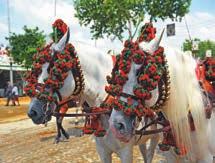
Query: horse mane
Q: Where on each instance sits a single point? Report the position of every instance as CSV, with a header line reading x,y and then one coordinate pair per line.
x,y
185,96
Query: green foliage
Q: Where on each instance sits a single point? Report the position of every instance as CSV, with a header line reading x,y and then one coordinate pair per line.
x,y
24,46
113,17
203,46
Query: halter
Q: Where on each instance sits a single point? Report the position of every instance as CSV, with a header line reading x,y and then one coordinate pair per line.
x,y
59,66
153,72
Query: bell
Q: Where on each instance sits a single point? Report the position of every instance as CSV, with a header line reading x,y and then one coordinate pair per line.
x,y
79,66
168,87
168,81
78,83
163,92
168,77
167,97
163,97
167,72
77,78
163,87
161,102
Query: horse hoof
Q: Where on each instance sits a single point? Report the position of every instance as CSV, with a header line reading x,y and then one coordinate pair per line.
x,y
57,140
66,136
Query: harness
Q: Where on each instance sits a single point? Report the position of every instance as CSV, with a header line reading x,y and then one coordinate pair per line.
x,y
205,75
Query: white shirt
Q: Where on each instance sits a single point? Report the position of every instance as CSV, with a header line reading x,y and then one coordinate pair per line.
x,y
15,91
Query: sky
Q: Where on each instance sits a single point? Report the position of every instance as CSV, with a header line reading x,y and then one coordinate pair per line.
x,y
200,20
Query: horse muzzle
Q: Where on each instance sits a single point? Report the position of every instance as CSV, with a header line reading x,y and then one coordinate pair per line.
x,y
36,112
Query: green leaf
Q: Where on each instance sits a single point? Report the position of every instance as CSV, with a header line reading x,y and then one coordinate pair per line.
x,y
111,17
203,46
24,46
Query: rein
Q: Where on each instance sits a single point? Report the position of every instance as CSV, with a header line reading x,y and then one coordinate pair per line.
x,y
80,114
156,121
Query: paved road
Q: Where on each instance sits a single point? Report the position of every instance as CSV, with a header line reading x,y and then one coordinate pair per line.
x,y
23,142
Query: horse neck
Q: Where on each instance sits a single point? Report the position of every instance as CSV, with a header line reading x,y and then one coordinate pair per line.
x,y
96,66
105,121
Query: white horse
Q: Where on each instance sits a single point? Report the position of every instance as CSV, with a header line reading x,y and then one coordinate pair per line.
x,y
185,95
96,66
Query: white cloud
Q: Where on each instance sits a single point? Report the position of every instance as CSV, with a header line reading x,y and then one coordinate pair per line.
x,y
4,32
3,27
41,13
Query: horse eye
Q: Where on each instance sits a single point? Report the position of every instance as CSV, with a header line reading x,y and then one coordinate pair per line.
x,y
48,69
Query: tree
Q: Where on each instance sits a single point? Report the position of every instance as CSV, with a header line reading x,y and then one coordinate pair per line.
x,y
202,45
24,46
113,17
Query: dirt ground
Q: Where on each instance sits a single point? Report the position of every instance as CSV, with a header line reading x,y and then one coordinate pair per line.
x,y
23,142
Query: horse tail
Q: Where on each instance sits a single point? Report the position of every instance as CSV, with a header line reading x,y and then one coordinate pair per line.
x,y
185,97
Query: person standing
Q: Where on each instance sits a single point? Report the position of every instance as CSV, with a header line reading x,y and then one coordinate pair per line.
x,y
8,93
15,95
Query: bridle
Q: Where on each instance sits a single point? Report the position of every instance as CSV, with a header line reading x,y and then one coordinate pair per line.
x,y
163,91
78,76
79,82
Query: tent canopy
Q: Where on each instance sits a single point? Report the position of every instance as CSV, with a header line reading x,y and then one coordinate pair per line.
x,y
5,64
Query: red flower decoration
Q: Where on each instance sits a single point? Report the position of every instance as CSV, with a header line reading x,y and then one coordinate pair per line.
x,y
148,75
60,25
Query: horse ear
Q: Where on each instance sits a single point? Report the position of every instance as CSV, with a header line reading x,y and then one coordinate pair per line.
x,y
62,42
156,42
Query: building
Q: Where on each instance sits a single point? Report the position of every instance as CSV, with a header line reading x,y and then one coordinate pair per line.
x,y
6,65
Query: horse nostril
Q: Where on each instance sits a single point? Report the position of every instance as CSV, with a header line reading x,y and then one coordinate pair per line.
x,y
120,126
32,113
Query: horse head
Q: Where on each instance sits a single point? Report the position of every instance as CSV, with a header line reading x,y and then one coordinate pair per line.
x,y
124,122
51,75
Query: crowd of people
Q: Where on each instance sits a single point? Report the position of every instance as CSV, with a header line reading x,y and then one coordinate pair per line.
x,y
12,94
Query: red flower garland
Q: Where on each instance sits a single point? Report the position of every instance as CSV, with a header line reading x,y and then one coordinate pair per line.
x,y
147,33
149,74
63,62
60,25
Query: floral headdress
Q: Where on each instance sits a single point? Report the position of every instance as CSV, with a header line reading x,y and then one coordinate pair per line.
x,y
59,28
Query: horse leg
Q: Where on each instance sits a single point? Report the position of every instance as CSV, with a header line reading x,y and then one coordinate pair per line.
x,y
103,151
57,139
148,154
60,128
151,151
63,110
143,151
65,134
126,154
